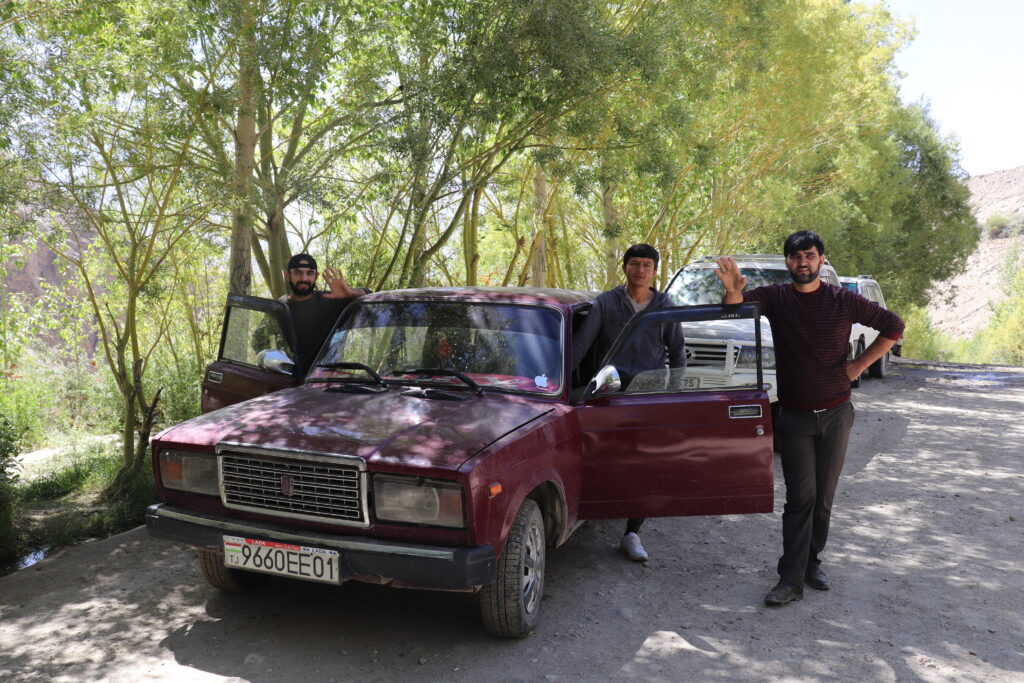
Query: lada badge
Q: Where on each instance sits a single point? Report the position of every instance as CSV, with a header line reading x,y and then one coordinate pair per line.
x,y
287,487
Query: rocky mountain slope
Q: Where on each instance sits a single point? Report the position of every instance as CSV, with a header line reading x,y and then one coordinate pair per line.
x,y
962,305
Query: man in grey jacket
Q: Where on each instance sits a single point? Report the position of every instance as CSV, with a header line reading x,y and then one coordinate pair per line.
x,y
651,348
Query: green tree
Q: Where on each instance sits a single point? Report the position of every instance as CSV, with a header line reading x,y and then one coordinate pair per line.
x,y
112,157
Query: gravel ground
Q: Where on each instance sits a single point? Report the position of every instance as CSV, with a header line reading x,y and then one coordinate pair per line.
x,y
926,559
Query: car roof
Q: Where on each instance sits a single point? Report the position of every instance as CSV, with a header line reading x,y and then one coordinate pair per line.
x,y
562,298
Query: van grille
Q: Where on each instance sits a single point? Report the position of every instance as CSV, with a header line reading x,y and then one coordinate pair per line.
x,y
314,490
710,353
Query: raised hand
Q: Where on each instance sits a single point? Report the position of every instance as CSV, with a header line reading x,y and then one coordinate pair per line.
x,y
339,288
733,279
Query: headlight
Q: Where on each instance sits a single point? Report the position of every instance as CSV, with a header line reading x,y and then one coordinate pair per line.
x,y
192,472
747,357
417,501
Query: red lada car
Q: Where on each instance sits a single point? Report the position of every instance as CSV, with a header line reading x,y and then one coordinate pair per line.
x,y
443,440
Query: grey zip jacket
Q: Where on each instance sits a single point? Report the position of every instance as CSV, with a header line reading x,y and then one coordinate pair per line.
x,y
650,348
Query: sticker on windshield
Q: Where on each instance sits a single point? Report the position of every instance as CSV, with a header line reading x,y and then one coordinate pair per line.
x,y
541,381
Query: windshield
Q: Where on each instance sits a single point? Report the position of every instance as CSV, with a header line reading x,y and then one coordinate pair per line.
x,y
852,286
514,348
695,286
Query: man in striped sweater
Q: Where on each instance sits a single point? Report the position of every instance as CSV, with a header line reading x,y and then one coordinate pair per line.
x,y
811,323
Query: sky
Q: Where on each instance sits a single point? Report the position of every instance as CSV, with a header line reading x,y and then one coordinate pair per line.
x,y
967,61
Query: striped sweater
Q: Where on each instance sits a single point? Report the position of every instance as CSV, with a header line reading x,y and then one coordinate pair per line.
x,y
811,333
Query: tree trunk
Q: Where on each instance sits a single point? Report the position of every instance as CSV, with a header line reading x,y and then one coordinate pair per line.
x,y
470,235
277,251
610,229
240,268
539,261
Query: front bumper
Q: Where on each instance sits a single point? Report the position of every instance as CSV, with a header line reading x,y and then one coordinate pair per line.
x,y
366,559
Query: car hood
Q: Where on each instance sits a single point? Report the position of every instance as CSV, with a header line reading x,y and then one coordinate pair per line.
x,y
739,330
382,428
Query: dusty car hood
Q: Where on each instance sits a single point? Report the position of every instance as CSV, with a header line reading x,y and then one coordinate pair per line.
x,y
383,428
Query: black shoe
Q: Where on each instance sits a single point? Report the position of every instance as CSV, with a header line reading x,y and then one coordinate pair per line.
x,y
816,579
784,593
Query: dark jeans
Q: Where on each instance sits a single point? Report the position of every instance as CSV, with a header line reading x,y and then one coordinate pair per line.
x,y
813,451
633,524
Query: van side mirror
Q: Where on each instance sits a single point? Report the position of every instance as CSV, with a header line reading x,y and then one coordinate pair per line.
x,y
606,381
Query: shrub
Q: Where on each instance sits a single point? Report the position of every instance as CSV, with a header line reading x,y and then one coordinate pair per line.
x,y
920,339
10,541
996,224
1015,227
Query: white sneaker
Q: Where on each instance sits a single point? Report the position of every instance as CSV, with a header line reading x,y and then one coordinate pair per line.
x,y
632,547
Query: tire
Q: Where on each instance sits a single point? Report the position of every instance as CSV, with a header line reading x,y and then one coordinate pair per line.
x,y
510,607
880,368
860,349
211,564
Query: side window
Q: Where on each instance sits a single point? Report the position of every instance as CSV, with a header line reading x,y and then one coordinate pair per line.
x,y
248,333
719,345
876,294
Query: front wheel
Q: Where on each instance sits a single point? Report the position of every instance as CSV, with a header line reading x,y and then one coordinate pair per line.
x,y
211,564
860,349
880,368
510,606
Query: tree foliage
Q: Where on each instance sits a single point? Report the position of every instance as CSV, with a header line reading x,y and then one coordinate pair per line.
x,y
181,145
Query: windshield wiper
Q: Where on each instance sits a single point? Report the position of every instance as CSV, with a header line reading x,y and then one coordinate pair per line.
x,y
441,372
348,366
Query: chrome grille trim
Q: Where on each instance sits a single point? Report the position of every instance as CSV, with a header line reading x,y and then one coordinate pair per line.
x,y
711,352
319,487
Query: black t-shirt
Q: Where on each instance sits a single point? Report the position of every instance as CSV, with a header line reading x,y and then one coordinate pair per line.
x,y
313,320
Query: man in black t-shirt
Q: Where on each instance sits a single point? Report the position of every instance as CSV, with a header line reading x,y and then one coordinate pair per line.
x,y
314,313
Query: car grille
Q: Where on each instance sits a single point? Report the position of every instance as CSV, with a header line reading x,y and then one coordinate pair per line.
x,y
316,490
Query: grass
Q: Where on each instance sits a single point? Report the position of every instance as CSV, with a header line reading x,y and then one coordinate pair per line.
x,y
61,503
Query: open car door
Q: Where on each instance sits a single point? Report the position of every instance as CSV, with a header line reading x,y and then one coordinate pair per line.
x,y
256,353
673,442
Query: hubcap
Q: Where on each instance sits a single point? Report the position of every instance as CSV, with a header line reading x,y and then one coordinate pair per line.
x,y
533,567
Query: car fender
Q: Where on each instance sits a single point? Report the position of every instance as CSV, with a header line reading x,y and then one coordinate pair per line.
x,y
542,462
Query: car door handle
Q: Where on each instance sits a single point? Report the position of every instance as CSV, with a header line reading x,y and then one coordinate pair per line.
x,y
745,412
215,377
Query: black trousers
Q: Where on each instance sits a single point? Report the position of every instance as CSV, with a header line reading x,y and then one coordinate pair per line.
x,y
813,448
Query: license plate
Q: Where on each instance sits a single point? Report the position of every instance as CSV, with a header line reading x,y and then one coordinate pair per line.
x,y
691,382
283,559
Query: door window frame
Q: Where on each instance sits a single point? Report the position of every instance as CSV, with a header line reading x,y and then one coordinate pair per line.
x,y
701,312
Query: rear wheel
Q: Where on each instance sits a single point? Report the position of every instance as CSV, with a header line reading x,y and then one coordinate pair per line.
x,y
211,564
857,354
880,368
510,606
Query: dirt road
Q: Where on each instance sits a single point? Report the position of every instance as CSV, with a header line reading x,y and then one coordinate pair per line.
x,y
926,557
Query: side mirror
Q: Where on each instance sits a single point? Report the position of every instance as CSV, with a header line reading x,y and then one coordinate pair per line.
x,y
606,381
275,361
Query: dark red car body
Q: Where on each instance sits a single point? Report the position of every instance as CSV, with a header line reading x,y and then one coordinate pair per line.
x,y
616,455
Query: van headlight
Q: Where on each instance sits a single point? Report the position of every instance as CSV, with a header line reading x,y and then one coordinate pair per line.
x,y
413,500
747,357
191,472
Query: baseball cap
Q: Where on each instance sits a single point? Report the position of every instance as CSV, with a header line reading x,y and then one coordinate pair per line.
x,y
302,261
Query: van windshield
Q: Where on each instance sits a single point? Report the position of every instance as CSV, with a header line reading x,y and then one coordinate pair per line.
x,y
694,286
